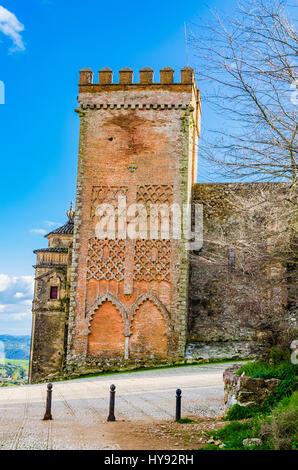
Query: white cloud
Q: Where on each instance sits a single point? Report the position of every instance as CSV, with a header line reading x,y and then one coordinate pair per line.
x,y
26,281
19,295
40,231
4,282
20,315
16,295
12,27
15,303
49,223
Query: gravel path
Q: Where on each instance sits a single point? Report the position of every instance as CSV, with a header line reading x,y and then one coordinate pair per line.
x,y
80,407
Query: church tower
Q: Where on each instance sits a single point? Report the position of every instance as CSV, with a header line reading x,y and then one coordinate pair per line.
x,y
50,303
138,148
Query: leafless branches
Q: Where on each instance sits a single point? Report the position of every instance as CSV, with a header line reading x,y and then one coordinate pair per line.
x,y
247,70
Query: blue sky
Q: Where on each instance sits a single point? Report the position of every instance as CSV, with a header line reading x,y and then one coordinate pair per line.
x,y
43,45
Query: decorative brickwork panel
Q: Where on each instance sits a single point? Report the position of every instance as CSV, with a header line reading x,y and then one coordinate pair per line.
x,y
155,194
106,195
159,217
152,260
106,259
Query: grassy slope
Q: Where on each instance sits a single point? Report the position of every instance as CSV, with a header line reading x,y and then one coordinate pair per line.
x,y
275,422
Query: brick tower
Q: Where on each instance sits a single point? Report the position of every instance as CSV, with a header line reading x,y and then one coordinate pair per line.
x,y
128,297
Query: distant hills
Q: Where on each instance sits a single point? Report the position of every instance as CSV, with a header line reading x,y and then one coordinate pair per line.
x,y
16,347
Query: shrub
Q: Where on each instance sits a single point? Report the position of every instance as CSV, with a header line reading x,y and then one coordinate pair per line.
x,y
237,412
286,387
278,431
286,372
281,429
275,422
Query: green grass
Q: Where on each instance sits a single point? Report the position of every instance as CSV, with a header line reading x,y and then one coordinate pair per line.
x,y
288,402
237,412
233,434
275,422
262,370
186,421
285,371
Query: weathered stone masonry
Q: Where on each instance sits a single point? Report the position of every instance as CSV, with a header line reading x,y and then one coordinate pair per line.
x,y
236,291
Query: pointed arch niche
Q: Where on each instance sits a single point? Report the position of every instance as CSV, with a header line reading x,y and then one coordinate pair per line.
x,y
106,330
149,325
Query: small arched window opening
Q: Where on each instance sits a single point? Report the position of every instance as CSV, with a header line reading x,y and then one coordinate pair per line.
x,y
54,292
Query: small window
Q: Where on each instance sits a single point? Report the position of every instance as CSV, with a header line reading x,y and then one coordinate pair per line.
x,y
231,260
54,292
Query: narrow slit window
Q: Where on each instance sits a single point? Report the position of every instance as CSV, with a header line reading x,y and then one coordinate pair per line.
x,y
231,260
54,293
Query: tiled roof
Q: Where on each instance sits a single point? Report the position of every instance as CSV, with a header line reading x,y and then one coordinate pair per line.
x,y
65,229
52,250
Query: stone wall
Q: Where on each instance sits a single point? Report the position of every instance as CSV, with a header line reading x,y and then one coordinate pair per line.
x,y
237,284
246,391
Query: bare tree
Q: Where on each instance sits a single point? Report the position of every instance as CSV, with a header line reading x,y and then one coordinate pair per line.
x,y
247,72
246,64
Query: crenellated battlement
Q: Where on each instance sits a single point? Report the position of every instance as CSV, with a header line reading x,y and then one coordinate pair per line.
x,y
146,94
146,76
134,106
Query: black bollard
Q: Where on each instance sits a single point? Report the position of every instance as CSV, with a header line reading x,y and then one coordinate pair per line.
x,y
178,404
48,414
111,416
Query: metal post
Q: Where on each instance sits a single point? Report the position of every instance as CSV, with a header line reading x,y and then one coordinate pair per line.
x,y
111,416
48,414
178,404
